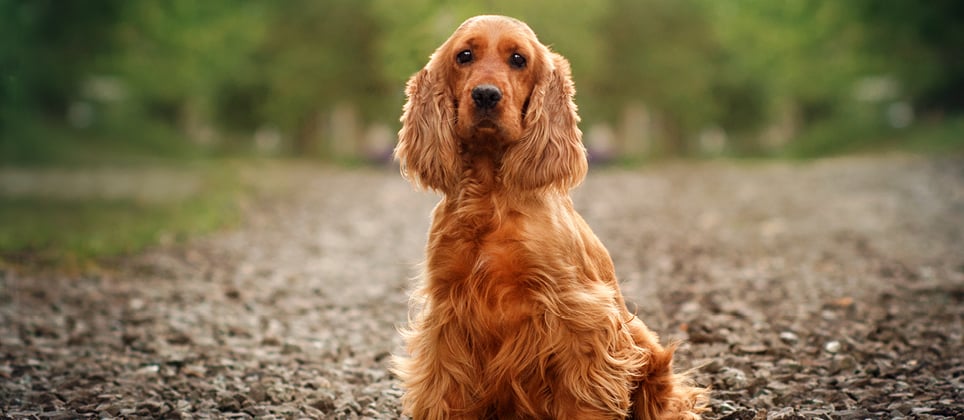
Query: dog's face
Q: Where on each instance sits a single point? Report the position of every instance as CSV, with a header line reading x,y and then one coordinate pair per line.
x,y
494,65
492,90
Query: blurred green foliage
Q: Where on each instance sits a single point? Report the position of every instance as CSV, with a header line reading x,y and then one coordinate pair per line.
x,y
86,81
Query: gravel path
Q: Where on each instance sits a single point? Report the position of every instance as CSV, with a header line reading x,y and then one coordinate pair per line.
x,y
829,289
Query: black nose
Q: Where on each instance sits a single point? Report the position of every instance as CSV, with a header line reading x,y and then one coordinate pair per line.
x,y
486,96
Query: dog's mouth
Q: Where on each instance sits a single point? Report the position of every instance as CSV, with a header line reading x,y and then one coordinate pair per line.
x,y
486,124
485,121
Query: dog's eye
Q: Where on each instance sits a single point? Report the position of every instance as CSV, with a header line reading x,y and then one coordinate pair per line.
x,y
517,61
464,57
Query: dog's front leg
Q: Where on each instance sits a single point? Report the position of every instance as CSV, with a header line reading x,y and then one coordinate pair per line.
x,y
437,375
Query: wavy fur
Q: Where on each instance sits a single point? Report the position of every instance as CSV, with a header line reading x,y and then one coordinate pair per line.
x,y
518,312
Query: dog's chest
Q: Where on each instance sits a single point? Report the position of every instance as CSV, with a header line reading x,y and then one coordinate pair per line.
x,y
499,282
486,278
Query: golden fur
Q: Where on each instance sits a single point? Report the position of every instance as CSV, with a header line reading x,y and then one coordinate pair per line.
x,y
518,313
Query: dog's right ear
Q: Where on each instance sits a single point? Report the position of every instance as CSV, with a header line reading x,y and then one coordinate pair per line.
x,y
427,150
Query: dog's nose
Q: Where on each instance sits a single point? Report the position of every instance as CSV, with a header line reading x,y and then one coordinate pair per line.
x,y
486,96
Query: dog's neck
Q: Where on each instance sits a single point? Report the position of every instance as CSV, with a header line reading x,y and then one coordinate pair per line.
x,y
481,161
480,145
480,181
480,173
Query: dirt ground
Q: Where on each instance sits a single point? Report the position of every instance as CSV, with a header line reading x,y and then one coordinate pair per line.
x,y
829,289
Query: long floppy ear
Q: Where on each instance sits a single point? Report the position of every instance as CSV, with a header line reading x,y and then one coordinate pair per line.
x,y
426,148
550,153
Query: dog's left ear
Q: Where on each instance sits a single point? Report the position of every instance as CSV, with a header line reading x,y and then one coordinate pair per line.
x,y
550,152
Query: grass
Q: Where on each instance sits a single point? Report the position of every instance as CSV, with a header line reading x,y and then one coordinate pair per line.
x,y
42,142
849,137
944,138
78,232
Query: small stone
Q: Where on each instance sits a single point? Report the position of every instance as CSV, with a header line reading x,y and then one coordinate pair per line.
x,y
257,393
690,307
754,348
150,406
734,378
196,371
714,366
179,338
777,386
901,407
229,403
183,405
844,364
149,370
742,415
289,348
232,293
136,304
844,302
832,346
789,337
789,365
783,413
325,402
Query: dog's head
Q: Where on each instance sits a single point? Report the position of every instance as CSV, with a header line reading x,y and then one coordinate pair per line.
x,y
492,86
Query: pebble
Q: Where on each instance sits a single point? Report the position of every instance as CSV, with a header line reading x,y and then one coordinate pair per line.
x,y
713,366
789,337
843,364
325,402
289,348
149,370
734,378
754,348
832,346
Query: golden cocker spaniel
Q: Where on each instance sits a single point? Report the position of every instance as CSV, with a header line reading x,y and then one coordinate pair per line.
x,y
518,313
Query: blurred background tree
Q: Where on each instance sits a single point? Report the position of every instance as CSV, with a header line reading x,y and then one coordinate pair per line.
x,y
88,82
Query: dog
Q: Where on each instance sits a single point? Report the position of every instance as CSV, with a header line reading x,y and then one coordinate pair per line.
x,y
518,313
